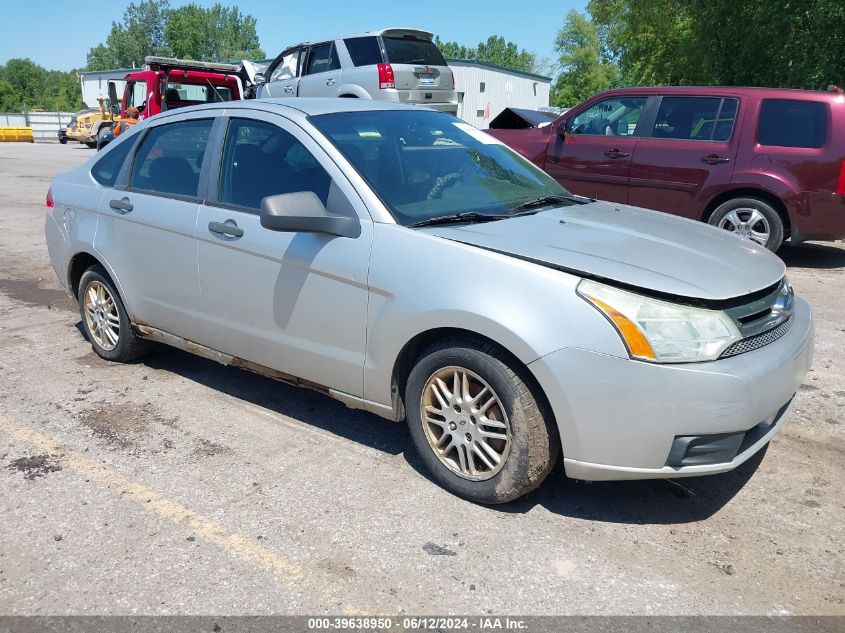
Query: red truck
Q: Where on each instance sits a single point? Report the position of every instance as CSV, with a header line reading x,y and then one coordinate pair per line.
x,y
767,164
165,83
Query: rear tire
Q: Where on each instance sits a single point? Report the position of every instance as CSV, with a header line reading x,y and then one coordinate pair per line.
x,y
752,219
105,320
449,429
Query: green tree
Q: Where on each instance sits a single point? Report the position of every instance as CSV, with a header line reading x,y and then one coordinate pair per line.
x,y
215,34
140,33
501,53
798,44
8,97
27,80
496,50
585,66
453,50
26,85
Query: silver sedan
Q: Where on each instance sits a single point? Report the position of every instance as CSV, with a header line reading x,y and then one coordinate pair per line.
x,y
405,263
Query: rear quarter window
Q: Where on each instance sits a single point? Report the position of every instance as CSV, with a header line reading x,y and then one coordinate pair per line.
x,y
364,51
412,50
792,123
106,169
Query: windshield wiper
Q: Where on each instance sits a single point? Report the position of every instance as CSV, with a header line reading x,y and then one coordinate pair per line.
x,y
545,201
459,218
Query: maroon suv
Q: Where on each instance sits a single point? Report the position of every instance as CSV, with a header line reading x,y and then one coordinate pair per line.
x,y
767,164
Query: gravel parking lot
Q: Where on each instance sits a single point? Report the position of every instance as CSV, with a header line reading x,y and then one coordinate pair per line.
x,y
176,485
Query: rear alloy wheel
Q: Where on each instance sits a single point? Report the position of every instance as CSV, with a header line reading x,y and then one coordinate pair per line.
x,y
752,219
476,422
104,318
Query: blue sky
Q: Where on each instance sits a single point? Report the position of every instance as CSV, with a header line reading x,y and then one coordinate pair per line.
x,y
58,33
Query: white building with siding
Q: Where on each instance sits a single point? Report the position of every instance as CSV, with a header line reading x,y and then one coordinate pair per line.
x,y
485,90
96,84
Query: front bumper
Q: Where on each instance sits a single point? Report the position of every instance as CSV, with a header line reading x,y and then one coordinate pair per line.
x,y
620,419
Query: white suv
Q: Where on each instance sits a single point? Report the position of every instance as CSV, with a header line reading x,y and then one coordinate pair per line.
x,y
399,65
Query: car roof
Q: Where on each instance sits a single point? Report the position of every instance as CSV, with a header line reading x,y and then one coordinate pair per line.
x,y
301,106
785,93
389,32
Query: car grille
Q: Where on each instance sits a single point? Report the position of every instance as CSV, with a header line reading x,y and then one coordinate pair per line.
x,y
759,340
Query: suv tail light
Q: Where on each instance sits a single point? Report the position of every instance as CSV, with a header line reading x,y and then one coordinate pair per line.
x,y
385,77
49,202
453,77
840,185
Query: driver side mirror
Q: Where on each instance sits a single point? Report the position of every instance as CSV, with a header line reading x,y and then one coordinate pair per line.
x,y
304,212
561,130
259,79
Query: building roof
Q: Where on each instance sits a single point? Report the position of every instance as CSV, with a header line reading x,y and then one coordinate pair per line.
x,y
475,62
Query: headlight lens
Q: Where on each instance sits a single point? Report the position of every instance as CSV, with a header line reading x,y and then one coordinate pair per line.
x,y
660,331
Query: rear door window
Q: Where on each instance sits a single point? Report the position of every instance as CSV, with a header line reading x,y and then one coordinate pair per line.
x,y
695,118
364,51
792,123
322,58
412,50
610,117
170,158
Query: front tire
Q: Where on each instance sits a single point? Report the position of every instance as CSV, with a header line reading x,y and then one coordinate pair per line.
x,y
752,219
476,422
105,320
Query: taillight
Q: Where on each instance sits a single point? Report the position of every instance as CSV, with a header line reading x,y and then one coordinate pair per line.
x,y
50,203
840,185
385,77
453,77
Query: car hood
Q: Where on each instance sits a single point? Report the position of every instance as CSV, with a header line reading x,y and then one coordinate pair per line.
x,y
631,246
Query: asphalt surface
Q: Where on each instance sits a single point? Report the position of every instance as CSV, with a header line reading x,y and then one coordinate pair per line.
x,y
177,486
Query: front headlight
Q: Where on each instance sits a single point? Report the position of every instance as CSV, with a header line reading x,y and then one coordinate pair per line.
x,y
660,331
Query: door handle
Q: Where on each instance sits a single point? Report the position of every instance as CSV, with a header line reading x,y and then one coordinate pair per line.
x,y
288,88
330,81
714,159
123,205
228,228
615,153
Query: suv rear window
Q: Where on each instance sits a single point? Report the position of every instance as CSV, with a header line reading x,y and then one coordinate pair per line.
x,y
364,51
411,50
792,123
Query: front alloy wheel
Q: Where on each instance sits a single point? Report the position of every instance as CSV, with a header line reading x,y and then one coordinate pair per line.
x,y
478,420
465,423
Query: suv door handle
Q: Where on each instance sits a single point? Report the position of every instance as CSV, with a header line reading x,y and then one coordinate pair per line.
x,y
615,153
330,81
228,228
123,205
288,88
715,159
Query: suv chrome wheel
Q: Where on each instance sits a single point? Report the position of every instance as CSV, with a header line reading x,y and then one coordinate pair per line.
x,y
101,316
748,223
465,423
